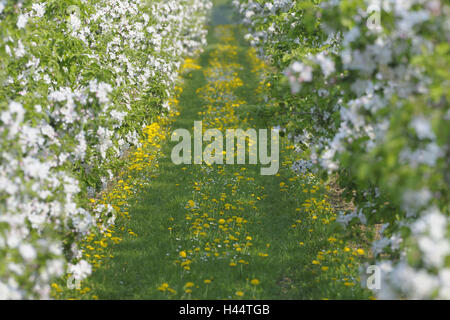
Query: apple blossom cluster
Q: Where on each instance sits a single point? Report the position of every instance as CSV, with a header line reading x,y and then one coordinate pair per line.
x,y
79,80
369,80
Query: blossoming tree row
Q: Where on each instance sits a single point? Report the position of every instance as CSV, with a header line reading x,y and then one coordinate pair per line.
x,y
364,87
79,80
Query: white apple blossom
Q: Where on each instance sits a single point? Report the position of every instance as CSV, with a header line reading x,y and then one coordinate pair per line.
x,y
22,21
80,270
39,9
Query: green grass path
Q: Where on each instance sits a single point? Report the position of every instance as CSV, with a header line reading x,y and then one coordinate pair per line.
x,y
227,224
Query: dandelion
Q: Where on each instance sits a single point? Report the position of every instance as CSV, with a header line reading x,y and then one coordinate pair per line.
x,y
191,204
163,287
349,284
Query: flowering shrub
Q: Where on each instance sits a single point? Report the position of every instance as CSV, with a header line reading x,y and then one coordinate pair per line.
x,y
366,87
80,83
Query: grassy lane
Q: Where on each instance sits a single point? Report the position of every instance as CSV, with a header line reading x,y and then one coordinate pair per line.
x,y
226,231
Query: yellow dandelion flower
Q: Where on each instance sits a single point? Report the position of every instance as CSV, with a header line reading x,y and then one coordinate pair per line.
x,y
349,284
163,287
